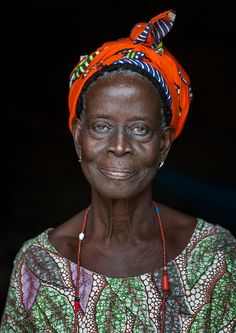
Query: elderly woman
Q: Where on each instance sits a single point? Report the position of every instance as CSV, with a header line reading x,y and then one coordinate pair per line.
x,y
126,263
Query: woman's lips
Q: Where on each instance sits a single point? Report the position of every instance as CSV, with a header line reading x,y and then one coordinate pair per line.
x,y
117,173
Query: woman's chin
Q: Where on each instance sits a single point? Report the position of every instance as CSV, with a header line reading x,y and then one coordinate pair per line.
x,y
121,191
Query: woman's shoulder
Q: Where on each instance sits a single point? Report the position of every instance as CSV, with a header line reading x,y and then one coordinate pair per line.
x,y
210,246
186,233
43,239
219,234
68,228
180,221
31,245
49,245
216,240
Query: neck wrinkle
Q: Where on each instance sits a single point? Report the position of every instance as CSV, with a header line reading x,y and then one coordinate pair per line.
x,y
124,219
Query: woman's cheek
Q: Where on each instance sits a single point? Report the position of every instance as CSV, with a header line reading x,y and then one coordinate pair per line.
x,y
91,149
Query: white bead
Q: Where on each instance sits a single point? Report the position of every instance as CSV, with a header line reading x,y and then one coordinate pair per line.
x,y
81,236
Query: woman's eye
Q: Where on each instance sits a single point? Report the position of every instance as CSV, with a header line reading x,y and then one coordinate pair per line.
x,y
139,130
101,128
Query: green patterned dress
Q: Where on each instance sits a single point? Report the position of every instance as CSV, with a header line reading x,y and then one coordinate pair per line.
x,y
202,296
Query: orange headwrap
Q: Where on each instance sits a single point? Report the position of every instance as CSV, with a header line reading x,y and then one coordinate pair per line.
x,y
142,48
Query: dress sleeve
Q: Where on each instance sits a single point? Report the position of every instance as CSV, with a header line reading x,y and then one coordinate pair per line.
x,y
218,315
223,304
15,317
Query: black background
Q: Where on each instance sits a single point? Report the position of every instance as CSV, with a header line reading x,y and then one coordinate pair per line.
x,y
42,181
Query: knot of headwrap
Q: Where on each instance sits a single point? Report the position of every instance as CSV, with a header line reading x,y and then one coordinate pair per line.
x,y
143,48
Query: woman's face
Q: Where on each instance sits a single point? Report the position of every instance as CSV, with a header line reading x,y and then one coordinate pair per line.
x,y
120,137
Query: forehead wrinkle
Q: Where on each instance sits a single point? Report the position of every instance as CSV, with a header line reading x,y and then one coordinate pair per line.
x,y
116,93
120,93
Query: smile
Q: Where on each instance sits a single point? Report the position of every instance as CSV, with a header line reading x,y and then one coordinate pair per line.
x,y
117,173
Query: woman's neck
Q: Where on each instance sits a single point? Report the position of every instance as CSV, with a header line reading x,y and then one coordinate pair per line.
x,y
121,219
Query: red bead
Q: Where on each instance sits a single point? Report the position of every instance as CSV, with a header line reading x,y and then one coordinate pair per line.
x,y
77,305
165,283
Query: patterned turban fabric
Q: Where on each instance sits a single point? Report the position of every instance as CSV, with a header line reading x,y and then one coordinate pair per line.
x,y
144,49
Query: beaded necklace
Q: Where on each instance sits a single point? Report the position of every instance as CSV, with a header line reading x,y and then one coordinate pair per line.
x,y
165,283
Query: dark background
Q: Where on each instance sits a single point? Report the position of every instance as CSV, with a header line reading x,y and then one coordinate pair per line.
x,y
42,181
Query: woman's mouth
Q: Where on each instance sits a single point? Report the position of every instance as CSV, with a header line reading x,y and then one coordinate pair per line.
x,y
117,173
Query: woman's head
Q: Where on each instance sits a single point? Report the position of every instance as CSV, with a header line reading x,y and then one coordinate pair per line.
x,y
121,132
142,50
128,100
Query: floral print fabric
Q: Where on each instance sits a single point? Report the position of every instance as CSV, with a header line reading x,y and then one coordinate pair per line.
x,y
202,296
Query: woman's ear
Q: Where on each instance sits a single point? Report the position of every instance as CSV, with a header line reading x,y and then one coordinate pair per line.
x,y
167,138
76,130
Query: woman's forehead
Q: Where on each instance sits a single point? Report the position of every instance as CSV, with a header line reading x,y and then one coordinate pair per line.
x,y
121,97
123,85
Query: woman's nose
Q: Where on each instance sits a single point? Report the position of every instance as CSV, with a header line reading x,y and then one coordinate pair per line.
x,y
120,142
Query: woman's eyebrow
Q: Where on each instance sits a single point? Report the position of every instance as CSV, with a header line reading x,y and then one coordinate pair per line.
x,y
110,117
